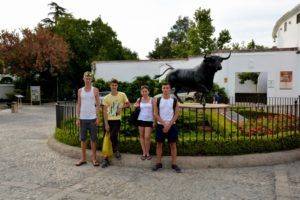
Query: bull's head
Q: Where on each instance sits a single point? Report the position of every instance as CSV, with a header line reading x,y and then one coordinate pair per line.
x,y
214,62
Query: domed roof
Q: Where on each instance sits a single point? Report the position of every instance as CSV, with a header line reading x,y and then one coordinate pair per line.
x,y
285,17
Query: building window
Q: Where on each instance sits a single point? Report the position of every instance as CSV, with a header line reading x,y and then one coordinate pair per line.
x,y
285,26
298,18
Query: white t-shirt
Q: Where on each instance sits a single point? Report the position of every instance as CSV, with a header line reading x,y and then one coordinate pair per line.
x,y
146,113
88,102
166,110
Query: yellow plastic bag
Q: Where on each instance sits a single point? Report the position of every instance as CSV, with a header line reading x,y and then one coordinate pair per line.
x,y
107,150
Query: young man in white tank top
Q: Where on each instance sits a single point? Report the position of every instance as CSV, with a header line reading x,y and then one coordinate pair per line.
x,y
87,110
166,114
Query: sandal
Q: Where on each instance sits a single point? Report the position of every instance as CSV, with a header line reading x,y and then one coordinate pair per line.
x,y
149,157
143,157
95,163
80,163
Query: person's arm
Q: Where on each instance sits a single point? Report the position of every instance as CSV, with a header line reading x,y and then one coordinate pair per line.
x,y
137,103
96,93
176,114
156,115
153,107
127,103
78,105
105,114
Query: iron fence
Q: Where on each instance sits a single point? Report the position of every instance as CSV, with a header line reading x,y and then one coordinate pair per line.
x,y
212,122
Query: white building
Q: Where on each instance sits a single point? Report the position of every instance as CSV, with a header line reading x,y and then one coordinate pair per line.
x,y
286,32
272,65
279,68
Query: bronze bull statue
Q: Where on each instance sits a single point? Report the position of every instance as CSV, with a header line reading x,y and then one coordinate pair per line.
x,y
199,79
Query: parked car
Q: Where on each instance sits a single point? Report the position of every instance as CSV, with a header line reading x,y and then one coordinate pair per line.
x,y
102,95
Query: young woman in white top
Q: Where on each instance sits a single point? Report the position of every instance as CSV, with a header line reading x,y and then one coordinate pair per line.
x,y
145,121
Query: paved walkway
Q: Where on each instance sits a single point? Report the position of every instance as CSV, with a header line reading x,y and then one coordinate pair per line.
x,y
30,170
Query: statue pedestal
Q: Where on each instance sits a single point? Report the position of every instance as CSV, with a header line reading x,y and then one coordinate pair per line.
x,y
200,106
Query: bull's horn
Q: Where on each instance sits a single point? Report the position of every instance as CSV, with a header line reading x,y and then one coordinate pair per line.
x,y
227,56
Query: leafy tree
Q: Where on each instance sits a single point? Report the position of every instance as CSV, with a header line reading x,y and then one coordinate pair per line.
x,y
224,37
38,51
57,12
245,76
251,45
190,37
89,41
201,32
36,57
162,50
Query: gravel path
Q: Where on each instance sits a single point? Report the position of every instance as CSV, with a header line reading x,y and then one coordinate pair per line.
x,y
30,170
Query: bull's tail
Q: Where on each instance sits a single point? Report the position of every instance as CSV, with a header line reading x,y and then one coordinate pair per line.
x,y
157,76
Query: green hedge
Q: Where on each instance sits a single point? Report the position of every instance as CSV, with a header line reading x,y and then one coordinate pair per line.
x,y
197,147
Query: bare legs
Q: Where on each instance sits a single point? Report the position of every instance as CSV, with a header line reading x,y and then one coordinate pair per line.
x,y
83,151
158,152
145,134
173,152
93,146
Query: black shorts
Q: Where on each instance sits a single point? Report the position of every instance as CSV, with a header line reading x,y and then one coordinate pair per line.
x,y
172,135
85,125
142,123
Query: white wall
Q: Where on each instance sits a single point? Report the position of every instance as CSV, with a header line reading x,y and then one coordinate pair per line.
x,y
5,88
247,87
269,62
291,37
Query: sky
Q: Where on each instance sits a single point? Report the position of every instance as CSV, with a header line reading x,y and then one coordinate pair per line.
x,y
139,22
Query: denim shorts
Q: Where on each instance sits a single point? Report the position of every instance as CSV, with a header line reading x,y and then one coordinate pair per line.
x,y
88,125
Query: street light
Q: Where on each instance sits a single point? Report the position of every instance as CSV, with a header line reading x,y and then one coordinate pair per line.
x,y
55,74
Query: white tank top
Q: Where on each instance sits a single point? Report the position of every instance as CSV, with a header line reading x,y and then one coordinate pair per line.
x,y
88,102
166,110
146,113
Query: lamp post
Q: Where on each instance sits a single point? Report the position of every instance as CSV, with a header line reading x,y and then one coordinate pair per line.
x,y
55,74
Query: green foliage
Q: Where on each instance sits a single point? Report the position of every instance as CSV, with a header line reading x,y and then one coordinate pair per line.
x,y
89,41
250,46
190,37
252,76
225,137
101,85
208,147
247,112
201,32
220,123
162,50
224,37
221,92
132,90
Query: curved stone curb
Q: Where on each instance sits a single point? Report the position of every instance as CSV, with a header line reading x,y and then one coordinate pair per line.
x,y
188,162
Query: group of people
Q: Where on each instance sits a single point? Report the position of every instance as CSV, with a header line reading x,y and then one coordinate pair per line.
x,y
155,113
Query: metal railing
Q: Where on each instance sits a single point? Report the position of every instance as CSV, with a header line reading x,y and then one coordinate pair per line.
x,y
235,122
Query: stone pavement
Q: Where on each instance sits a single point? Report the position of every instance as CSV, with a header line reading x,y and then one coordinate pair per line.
x,y
30,170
